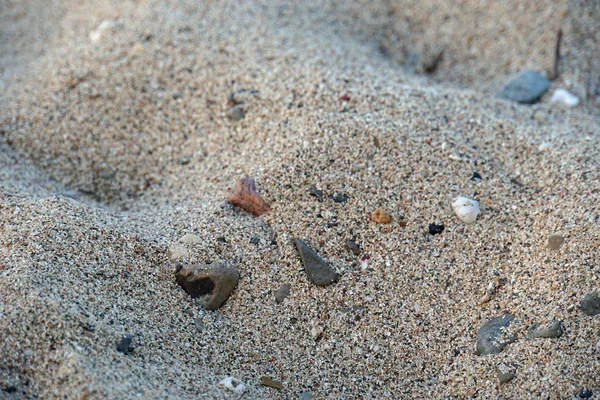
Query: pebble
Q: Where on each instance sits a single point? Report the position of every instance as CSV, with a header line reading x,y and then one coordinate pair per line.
x,y
282,293
306,395
316,192
317,269
353,247
505,373
177,252
465,209
244,196
255,240
315,332
190,239
491,338
124,344
525,87
381,217
199,324
548,330
564,97
545,146
233,384
591,304
266,381
217,281
555,241
435,229
235,114
585,393
340,197
476,177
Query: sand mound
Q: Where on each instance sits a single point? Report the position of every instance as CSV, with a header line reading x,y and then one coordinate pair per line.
x,y
118,139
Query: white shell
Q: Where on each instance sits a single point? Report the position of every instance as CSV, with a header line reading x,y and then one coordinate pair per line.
x,y
564,97
235,385
466,210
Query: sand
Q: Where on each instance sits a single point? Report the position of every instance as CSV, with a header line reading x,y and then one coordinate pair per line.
x,y
115,143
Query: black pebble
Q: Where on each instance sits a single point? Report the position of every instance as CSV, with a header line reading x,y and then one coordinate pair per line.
x,y
340,197
353,247
254,240
476,177
316,192
585,394
124,345
435,229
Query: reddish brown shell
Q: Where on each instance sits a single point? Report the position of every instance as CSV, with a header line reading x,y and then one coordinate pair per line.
x,y
244,196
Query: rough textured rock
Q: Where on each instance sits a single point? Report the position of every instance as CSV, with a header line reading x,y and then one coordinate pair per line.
x,y
505,373
235,114
353,247
318,271
549,330
591,304
216,282
282,293
492,337
526,87
124,345
244,196
555,241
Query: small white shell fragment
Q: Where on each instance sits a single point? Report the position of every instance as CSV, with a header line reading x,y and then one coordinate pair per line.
x,y
235,385
564,97
190,238
466,210
315,332
545,146
455,157
106,25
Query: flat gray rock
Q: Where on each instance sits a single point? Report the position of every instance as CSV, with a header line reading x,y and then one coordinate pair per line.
x,y
318,271
549,330
525,87
492,336
282,293
505,373
591,304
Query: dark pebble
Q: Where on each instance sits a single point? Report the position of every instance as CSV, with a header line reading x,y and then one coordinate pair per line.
x,y
124,344
353,247
585,394
317,270
316,192
235,114
254,240
492,337
340,197
525,87
591,304
436,229
216,281
476,177
282,293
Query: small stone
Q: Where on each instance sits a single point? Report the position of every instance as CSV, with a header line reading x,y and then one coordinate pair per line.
x,y
189,238
548,330
235,114
564,97
185,160
555,241
316,192
476,177
465,209
216,282
244,196
266,381
545,146
315,332
306,395
282,293
526,87
233,384
381,217
353,247
585,393
505,373
254,240
591,304
177,252
317,270
199,324
340,197
540,116
492,338
435,229
124,344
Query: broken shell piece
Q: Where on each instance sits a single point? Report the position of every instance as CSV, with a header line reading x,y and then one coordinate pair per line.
x,y
190,238
217,282
466,210
315,332
235,385
177,252
564,97
493,285
244,196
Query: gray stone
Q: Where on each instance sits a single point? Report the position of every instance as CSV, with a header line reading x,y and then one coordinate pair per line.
x,y
215,282
492,337
124,344
505,373
317,270
353,247
555,241
525,87
235,114
549,330
282,293
591,304
306,395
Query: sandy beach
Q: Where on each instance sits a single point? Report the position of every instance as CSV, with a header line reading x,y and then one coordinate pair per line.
x,y
124,125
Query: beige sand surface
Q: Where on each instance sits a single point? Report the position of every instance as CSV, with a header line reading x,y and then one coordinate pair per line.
x,y
112,149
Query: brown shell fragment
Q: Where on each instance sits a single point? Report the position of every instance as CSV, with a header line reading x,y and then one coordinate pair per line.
x,y
216,282
244,196
381,217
